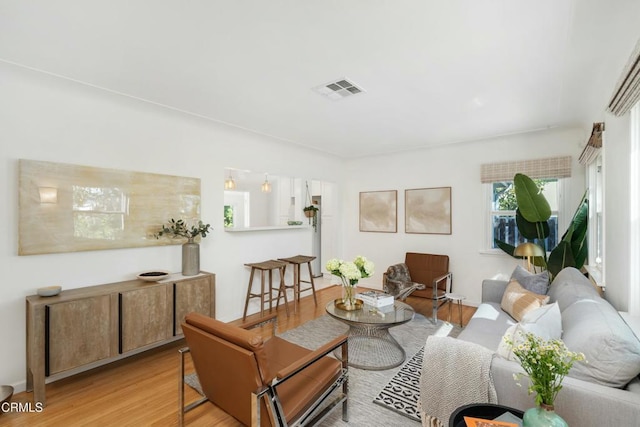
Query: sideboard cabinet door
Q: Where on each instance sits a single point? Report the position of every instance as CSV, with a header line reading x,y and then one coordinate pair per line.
x,y
76,333
145,317
194,295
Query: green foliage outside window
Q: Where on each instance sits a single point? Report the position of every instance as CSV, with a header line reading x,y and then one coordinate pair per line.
x,y
505,194
228,216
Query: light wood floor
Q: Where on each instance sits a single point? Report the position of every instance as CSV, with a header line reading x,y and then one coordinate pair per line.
x,y
143,390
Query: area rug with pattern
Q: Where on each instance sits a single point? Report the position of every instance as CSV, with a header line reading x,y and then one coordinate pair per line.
x,y
402,392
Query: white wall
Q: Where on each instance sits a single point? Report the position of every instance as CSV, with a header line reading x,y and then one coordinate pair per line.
x,y
616,49
48,118
456,166
616,165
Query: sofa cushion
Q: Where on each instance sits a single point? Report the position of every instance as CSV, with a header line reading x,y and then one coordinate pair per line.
x,y
570,286
487,326
517,301
544,322
634,386
538,283
612,351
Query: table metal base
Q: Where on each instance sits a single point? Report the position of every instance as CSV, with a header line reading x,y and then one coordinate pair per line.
x,y
373,348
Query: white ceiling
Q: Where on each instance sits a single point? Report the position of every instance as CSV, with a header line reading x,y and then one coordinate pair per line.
x,y
433,71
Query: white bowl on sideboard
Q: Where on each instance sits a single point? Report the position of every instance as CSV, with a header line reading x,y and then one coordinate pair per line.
x,y
49,291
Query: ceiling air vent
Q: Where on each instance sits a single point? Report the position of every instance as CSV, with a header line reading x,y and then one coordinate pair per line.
x,y
339,89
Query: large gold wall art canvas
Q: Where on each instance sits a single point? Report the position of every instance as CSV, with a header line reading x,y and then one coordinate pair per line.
x,y
428,210
71,208
379,211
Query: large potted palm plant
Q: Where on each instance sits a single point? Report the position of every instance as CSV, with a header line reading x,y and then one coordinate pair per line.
x,y
532,215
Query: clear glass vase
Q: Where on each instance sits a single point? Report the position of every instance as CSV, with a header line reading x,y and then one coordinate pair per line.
x,y
349,295
543,416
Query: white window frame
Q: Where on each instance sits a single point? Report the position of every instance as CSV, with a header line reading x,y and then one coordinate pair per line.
x,y
488,217
595,183
634,208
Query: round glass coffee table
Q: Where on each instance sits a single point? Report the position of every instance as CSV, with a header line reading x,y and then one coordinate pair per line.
x,y
371,346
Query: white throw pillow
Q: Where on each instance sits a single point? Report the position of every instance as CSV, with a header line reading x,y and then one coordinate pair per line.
x,y
513,334
545,322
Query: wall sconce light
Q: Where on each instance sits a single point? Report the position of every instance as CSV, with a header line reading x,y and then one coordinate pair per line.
x,y
266,186
229,184
48,194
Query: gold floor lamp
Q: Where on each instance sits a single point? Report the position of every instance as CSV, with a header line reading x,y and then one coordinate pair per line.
x,y
527,251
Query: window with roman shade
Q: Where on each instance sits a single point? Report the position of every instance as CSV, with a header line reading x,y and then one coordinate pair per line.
x,y
627,91
501,211
594,145
552,167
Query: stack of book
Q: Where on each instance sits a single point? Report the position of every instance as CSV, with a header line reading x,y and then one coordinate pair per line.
x,y
375,299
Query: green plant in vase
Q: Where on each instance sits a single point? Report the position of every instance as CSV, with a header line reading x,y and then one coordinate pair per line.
x,y
190,249
546,363
179,228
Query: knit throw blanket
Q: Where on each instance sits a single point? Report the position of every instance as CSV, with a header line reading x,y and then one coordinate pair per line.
x,y
454,373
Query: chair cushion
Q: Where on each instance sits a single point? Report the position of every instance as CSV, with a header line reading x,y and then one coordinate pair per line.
x,y
517,301
305,386
538,283
241,337
226,370
424,269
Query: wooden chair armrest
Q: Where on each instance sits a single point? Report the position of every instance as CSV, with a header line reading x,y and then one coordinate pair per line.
x,y
259,322
311,358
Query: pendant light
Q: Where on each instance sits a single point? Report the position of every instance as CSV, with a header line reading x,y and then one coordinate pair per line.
x,y
229,184
266,185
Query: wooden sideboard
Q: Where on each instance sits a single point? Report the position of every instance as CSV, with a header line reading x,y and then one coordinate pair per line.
x,y
84,328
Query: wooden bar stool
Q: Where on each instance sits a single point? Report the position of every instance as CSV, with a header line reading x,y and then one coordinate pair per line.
x,y
266,295
296,261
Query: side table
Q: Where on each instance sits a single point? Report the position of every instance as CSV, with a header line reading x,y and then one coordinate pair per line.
x,y
489,411
457,299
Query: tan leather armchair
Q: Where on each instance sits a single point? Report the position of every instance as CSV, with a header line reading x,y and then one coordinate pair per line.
x,y
421,275
261,382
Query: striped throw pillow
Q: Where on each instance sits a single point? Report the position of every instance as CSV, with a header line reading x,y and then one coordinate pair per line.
x,y
517,301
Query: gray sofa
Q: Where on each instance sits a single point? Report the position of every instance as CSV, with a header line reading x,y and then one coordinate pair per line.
x,y
603,392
